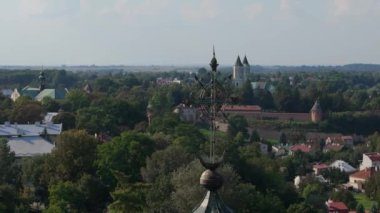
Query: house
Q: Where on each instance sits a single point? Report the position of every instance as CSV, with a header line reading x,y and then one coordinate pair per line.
x,y
278,150
370,160
29,146
8,130
347,141
319,167
342,166
27,140
357,179
49,117
300,147
333,147
187,113
336,207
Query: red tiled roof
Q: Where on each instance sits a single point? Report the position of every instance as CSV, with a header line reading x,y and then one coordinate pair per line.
x,y
320,166
333,147
363,174
374,156
301,147
336,206
241,108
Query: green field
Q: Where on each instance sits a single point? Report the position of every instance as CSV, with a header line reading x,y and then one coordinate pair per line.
x,y
364,200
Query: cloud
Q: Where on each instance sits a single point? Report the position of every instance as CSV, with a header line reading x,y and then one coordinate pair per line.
x,y
204,9
343,8
43,8
284,5
253,10
129,10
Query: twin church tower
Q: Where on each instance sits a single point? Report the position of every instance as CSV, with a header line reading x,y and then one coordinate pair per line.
x,y
241,72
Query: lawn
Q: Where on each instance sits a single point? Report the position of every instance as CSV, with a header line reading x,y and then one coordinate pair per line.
x,y
364,200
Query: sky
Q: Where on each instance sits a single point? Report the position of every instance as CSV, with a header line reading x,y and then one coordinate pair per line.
x,y
183,32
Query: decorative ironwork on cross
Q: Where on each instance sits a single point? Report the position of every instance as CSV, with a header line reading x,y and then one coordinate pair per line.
x,y
212,97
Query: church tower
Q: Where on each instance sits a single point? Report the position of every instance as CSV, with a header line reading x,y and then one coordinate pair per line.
x,y
42,79
247,68
316,112
238,73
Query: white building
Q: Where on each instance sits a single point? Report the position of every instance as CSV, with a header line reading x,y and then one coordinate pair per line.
x,y
370,160
30,139
342,166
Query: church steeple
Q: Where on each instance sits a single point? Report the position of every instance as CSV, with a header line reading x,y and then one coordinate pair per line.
x,y
238,62
214,63
42,79
245,60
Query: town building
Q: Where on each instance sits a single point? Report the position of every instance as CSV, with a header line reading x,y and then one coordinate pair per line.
x,y
27,140
370,160
342,166
336,207
187,113
358,179
319,168
39,93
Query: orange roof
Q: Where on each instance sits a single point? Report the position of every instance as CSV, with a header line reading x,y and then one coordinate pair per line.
x,y
336,206
241,108
301,147
320,166
363,174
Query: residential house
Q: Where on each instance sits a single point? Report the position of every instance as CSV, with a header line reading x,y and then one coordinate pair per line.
x,y
347,141
336,207
342,166
370,160
29,146
319,168
279,150
187,113
357,179
30,139
300,147
335,147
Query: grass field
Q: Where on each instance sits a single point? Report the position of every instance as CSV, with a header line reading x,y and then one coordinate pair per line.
x,y
364,200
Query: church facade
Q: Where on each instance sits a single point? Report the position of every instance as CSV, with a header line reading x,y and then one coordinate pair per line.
x,y
241,71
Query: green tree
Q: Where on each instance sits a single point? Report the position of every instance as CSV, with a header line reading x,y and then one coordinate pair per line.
x,y
300,208
236,124
50,104
65,197
128,197
125,154
76,99
10,179
27,112
344,196
360,208
66,118
74,155
95,120
247,97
